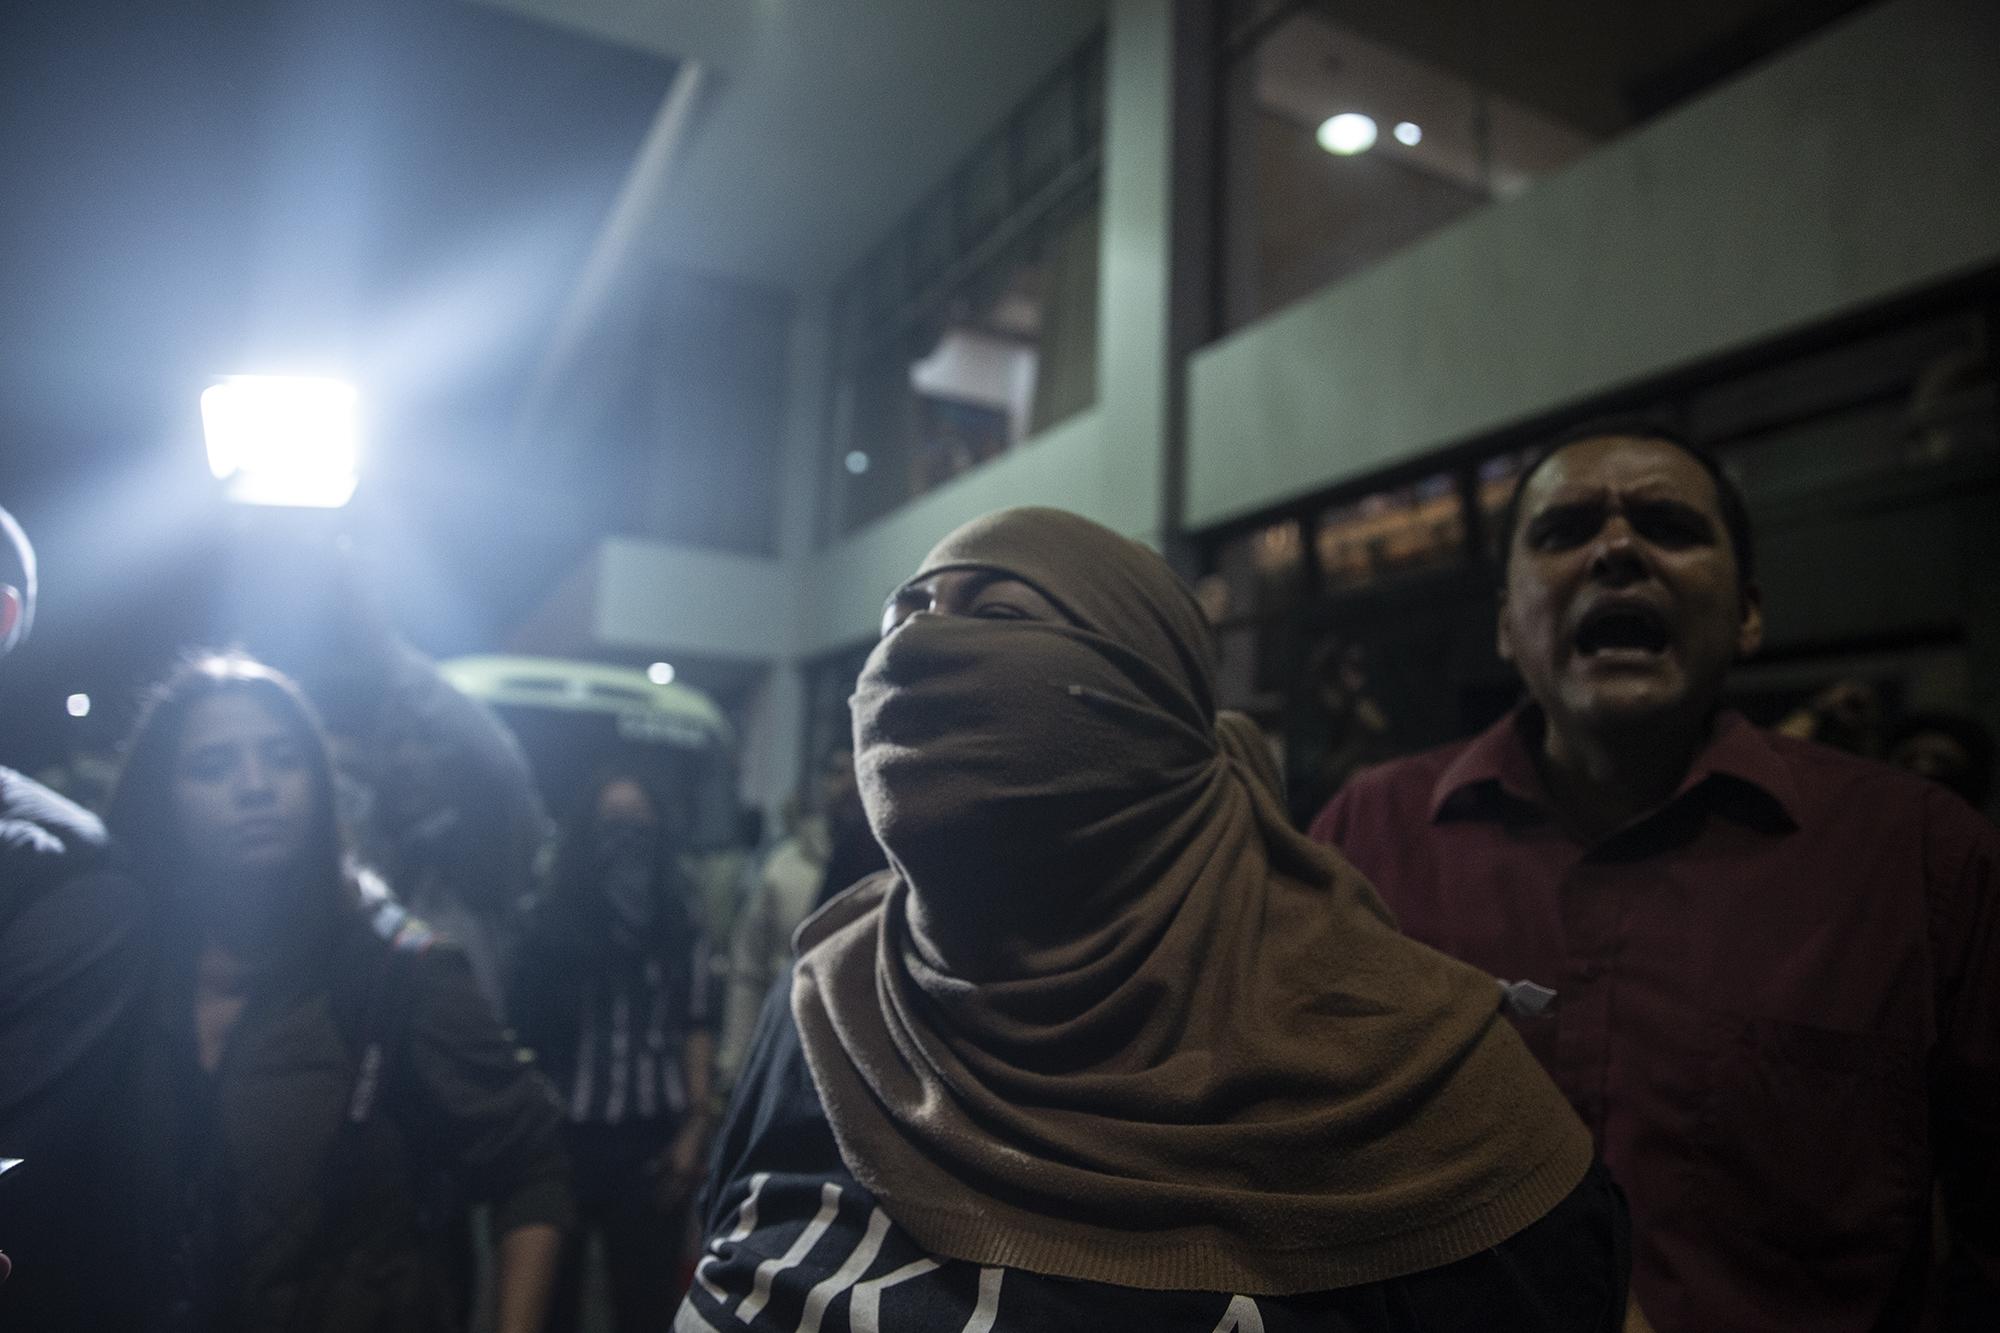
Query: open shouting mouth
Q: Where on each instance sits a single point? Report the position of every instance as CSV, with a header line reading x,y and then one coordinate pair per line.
x,y
1622,630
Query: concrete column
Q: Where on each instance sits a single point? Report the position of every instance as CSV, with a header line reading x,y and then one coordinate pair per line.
x,y
774,743
773,736
1135,268
802,475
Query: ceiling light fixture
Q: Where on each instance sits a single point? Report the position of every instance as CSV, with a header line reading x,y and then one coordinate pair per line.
x,y
1346,134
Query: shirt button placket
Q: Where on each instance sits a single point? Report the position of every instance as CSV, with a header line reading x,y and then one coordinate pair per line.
x,y
1590,919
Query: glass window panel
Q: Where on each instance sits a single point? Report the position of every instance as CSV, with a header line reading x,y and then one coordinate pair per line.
x,y
931,246
1046,137
1493,486
974,327
983,191
1352,128
1261,573
1419,526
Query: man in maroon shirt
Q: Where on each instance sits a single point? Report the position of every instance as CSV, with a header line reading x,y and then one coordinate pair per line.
x,y
1776,968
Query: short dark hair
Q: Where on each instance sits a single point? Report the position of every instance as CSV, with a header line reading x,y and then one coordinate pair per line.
x,y
1639,426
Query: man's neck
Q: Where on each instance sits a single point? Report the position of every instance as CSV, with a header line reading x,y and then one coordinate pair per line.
x,y
1602,781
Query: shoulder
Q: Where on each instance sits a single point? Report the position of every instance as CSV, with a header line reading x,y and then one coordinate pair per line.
x,y
389,954
776,1120
1417,773
791,879
1828,775
1866,824
1839,790
1401,788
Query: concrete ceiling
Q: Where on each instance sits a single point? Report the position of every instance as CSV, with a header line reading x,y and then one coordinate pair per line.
x,y
822,120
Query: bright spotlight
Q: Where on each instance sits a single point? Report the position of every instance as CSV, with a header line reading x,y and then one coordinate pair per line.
x,y
661,673
1348,133
283,440
1408,132
78,705
857,462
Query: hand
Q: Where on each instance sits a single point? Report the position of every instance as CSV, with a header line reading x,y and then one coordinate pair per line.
x,y
677,1171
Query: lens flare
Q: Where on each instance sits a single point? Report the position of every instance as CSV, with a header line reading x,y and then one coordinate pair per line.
x,y
283,440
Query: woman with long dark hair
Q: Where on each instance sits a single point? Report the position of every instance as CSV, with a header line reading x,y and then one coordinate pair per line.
x,y
325,1086
612,993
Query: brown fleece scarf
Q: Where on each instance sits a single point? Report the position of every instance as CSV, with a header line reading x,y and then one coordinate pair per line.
x,y
1107,1016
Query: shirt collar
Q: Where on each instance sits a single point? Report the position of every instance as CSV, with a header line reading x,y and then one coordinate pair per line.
x,y
1737,772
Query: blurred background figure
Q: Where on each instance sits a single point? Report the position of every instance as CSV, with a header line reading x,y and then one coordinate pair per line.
x,y
1948,748
830,847
1335,727
323,1084
435,788
72,971
1846,715
854,854
612,992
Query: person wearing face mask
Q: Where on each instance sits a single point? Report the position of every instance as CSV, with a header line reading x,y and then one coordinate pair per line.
x,y
1109,1045
611,992
320,1066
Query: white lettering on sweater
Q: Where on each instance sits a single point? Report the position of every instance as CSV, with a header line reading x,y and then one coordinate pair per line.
x,y
847,1274
864,1312
767,1272
1242,1316
987,1311
746,1222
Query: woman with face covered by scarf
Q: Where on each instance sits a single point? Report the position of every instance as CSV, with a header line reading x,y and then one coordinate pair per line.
x,y
1109,1045
611,992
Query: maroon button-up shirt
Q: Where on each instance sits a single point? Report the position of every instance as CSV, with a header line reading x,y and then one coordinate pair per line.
x,y
1777,1008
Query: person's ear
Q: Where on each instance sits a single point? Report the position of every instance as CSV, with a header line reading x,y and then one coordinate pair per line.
x,y
1503,638
1750,625
10,614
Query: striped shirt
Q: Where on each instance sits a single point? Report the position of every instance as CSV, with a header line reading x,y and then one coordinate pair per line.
x,y
632,1029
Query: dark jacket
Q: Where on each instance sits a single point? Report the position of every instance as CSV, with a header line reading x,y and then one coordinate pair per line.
x,y
274,1209
587,1000
71,977
456,814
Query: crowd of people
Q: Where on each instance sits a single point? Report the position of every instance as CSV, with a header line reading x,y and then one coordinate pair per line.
x,y
1043,1014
